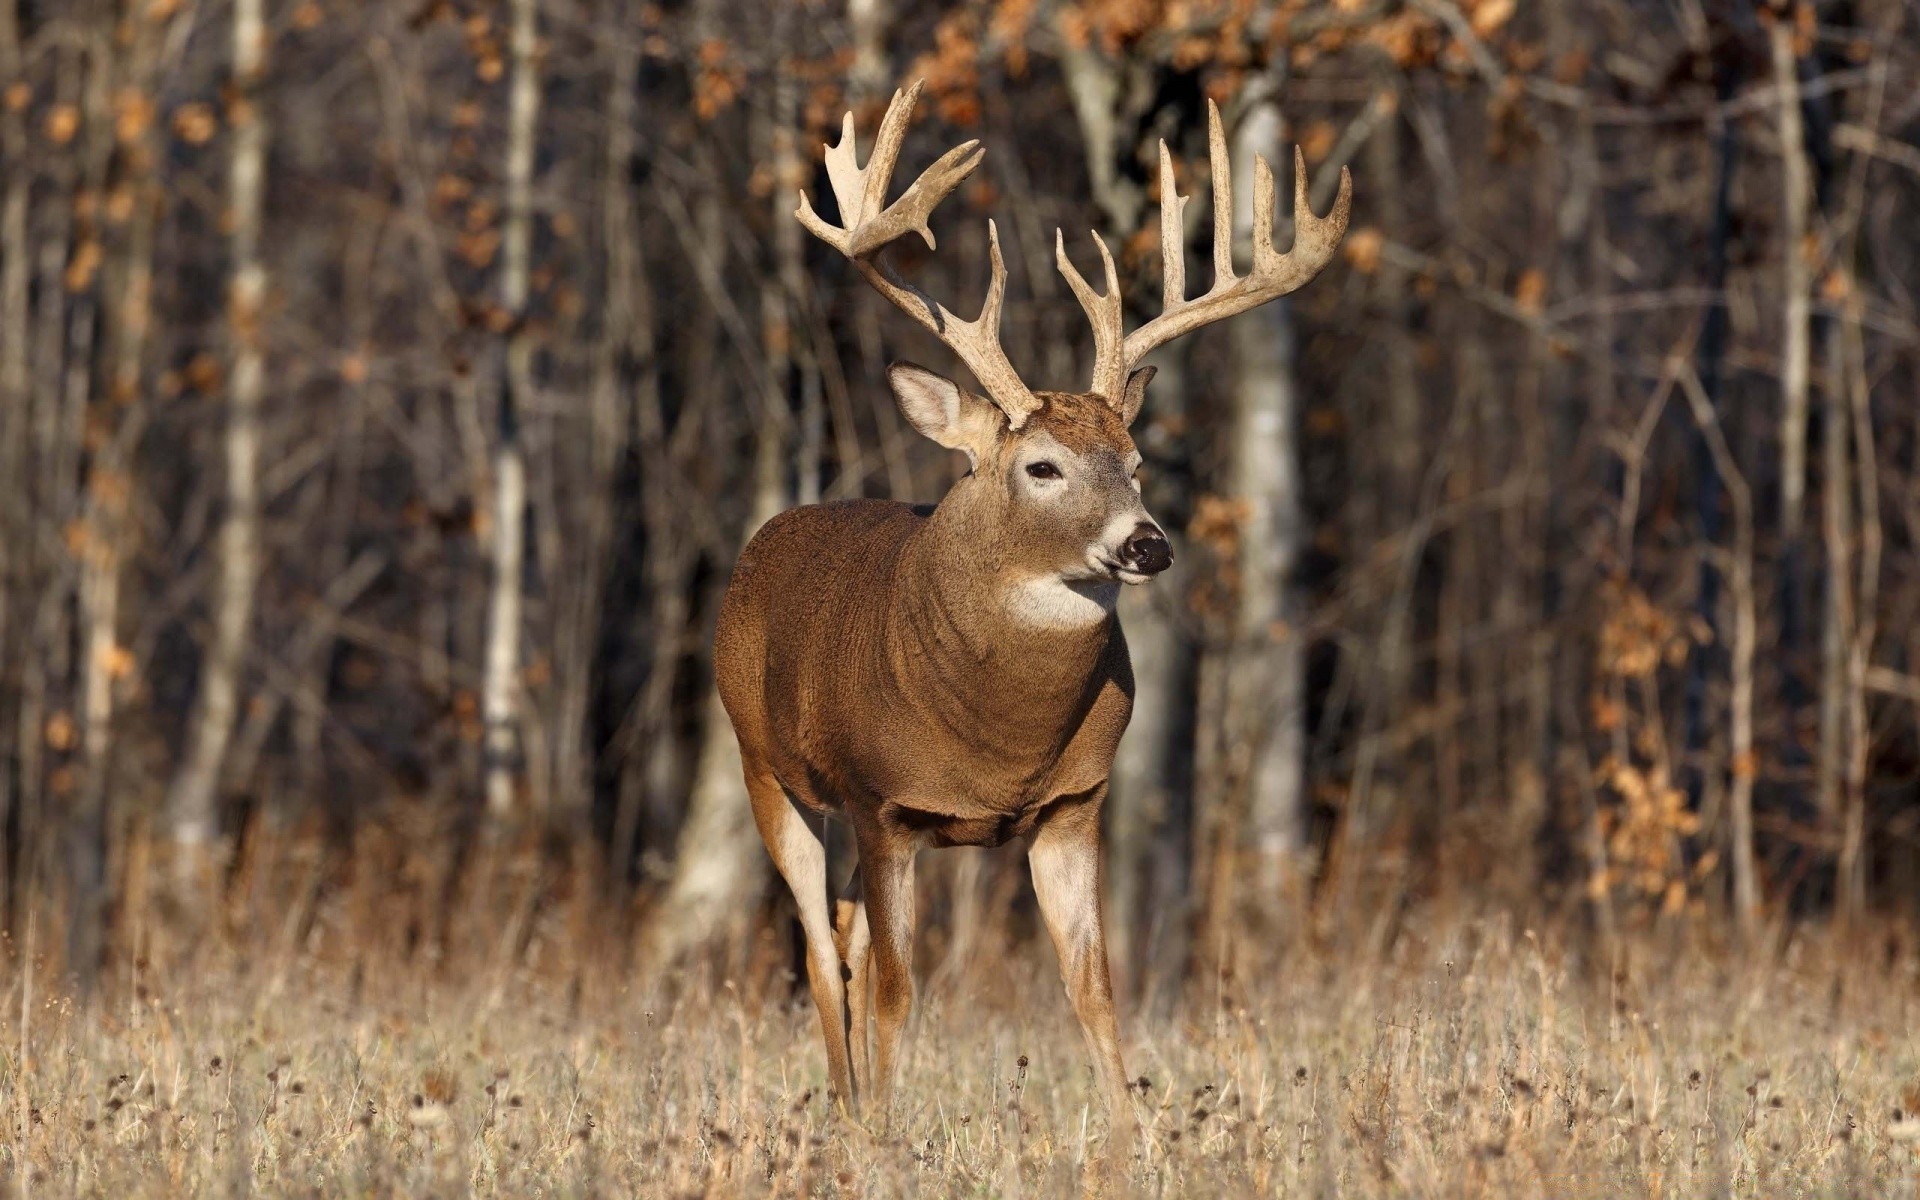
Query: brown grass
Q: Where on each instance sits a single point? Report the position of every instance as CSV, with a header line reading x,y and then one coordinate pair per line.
x,y
339,1052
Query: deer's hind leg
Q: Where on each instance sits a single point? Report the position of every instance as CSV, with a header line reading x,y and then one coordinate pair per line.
x,y
855,941
796,841
886,880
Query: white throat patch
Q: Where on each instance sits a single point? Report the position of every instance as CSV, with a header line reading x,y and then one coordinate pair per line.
x,y
1049,602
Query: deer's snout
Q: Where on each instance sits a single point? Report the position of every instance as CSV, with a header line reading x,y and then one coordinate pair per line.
x,y
1146,550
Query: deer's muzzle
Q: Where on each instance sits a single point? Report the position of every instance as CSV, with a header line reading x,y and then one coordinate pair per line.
x,y
1146,550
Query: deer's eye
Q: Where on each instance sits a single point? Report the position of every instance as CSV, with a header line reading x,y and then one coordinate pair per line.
x,y
1043,470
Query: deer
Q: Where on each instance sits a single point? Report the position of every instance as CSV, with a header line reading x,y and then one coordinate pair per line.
x,y
955,674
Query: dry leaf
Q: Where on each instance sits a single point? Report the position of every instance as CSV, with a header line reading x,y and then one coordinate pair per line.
x,y
1490,15
1362,249
1530,294
62,123
194,124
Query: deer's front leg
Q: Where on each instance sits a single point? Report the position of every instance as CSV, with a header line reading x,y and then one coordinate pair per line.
x,y
886,878
1065,857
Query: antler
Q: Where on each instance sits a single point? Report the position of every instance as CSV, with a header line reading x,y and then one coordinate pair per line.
x,y
1273,274
869,225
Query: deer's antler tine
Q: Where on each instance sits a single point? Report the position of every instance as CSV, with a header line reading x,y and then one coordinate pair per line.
x,y
1314,237
990,307
1263,255
1273,274
886,146
1104,313
909,214
977,342
1173,235
1222,198
843,172
818,227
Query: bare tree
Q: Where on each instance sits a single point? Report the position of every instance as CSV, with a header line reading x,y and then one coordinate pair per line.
x,y
1796,344
192,818
500,695
16,276
1740,760
1265,674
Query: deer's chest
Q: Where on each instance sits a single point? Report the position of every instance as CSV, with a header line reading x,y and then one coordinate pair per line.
x,y
977,774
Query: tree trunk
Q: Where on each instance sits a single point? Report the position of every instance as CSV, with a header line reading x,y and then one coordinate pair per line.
x,y
192,816
1150,782
500,686
1741,765
1838,621
1853,834
16,514
579,610
105,368
867,78
719,866
1400,470
1266,681
1796,336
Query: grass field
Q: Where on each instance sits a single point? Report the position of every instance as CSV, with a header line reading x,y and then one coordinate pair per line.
x,y
1473,1057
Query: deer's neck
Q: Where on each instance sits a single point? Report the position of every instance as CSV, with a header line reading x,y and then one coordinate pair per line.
x,y
995,638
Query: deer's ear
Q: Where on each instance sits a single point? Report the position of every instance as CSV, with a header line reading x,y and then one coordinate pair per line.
x,y
1135,393
944,411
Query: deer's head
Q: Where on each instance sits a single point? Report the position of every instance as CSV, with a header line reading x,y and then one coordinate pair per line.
x,y
1054,472
1061,492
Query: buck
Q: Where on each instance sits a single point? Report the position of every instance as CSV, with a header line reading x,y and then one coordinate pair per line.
x,y
955,675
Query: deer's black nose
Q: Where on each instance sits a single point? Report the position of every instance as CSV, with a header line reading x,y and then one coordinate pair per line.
x,y
1146,550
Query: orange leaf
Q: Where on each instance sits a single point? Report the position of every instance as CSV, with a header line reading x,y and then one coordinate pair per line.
x,y
1362,249
61,732
1489,15
62,123
1531,292
194,124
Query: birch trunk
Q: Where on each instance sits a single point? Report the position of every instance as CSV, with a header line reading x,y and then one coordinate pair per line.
x,y
105,378
867,79
1266,683
192,815
1796,337
500,684
1147,806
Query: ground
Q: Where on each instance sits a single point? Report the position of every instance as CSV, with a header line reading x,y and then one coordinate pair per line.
x,y
1472,1057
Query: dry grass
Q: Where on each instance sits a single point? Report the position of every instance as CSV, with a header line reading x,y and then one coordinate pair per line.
x,y
1473,1058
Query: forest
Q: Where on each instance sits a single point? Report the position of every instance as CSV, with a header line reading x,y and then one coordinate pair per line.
x,y
387,387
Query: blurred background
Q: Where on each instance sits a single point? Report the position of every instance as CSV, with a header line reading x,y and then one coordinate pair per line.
x,y
386,387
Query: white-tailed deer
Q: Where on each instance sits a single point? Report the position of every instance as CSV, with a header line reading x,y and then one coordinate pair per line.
x,y
955,675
